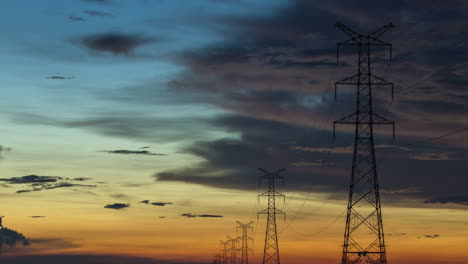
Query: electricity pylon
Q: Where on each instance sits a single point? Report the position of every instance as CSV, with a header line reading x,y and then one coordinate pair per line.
x,y
271,251
364,235
245,241
224,250
233,249
218,259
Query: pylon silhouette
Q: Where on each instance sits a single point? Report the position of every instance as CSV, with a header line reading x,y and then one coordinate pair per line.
x,y
364,235
245,241
271,250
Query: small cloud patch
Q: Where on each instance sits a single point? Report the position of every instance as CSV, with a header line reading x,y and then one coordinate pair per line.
x,y
117,206
37,216
134,152
115,43
190,215
160,204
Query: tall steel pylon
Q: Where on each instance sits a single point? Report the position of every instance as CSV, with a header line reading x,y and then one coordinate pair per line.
x,y
224,250
233,250
271,251
364,235
245,241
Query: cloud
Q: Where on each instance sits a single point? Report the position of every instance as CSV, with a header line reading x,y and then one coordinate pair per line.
x,y
209,215
41,187
81,179
37,216
430,236
160,204
76,18
115,43
117,206
39,183
57,77
190,215
31,179
136,152
97,13
462,200
145,201
12,238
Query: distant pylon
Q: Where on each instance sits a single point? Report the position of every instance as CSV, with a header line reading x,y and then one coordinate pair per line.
x,y
245,241
218,259
271,251
364,236
224,250
233,249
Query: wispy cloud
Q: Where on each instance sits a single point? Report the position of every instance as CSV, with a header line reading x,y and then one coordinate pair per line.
x,y
134,152
39,183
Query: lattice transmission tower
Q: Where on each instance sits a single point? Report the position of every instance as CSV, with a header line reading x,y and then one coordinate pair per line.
x,y
233,250
224,251
271,251
364,235
245,249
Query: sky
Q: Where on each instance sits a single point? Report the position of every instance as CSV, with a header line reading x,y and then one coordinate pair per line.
x,y
132,131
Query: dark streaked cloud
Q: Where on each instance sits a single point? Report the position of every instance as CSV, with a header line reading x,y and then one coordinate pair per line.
x,y
31,179
210,215
190,215
136,152
115,43
153,129
117,206
39,183
160,204
41,187
38,216
462,200
145,201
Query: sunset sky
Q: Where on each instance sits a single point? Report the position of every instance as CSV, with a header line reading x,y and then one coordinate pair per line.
x,y
132,131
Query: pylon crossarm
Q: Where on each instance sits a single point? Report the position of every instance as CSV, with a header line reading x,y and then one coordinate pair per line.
x,y
379,32
348,31
349,119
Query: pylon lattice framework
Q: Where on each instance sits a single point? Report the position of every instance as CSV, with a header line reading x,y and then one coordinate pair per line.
x,y
233,250
245,241
224,250
271,250
364,235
